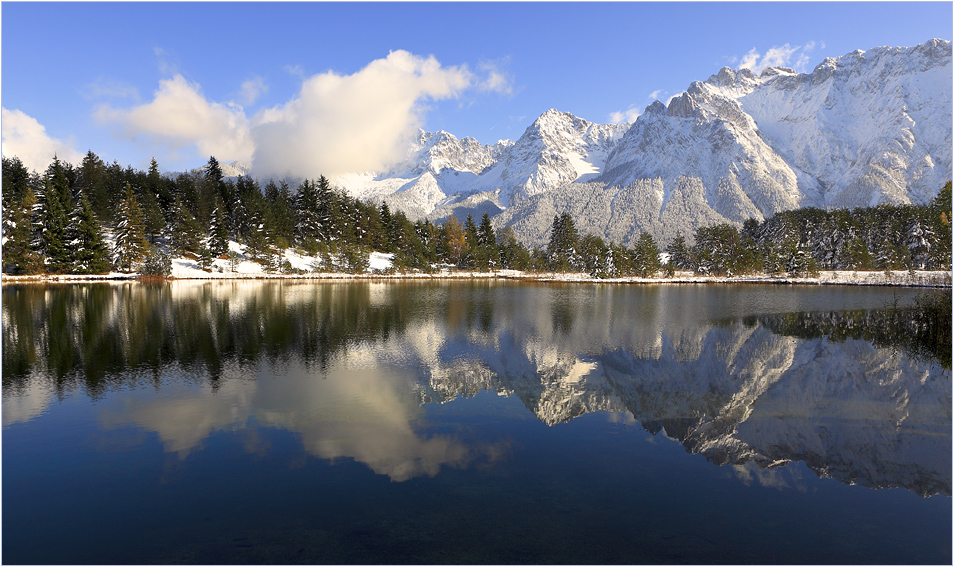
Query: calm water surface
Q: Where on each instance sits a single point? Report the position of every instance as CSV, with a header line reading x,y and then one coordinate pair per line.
x,y
471,422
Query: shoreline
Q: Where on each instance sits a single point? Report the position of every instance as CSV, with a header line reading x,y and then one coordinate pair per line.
x,y
926,279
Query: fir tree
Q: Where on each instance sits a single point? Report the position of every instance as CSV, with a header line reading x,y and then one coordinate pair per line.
x,y
90,255
594,253
218,233
454,243
186,233
131,244
562,250
56,219
645,256
19,256
307,226
679,255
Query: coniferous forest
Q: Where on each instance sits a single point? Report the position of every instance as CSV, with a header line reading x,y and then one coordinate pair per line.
x,y
94,218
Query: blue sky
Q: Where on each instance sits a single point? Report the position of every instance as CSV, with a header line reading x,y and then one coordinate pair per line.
x,y
337,86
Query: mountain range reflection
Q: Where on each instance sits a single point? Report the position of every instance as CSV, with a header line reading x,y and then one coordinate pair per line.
x,y
348,366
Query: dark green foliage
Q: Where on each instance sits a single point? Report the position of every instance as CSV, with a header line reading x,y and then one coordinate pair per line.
x,y
645,256
719,250
56,207
562,251
18,254
595,256
679,254
131,244
218,233
156,264
90,255
186,232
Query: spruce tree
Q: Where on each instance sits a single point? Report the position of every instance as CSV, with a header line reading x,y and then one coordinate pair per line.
x,y
19,257
131,244
454,241
678,251
90,255
645,256
56,219
562,250
306,210
218,233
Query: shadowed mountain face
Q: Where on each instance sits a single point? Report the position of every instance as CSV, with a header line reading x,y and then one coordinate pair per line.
x,y
737,374
865,128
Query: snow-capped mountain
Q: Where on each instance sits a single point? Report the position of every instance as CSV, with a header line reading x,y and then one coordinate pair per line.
x,y
442,174
865,128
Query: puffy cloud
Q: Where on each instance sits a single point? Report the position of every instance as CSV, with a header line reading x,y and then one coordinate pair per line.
x,y
495,80
341,123
251,90
628,115
786,55
335,123
24,137
180,116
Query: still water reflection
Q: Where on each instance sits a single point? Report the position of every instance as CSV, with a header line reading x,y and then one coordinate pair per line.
x,y
254,422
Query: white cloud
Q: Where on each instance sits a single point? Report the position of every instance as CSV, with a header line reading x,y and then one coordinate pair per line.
x,y
295,71
24,137
110,88
179,116
655,94
495,80
628,115
795,57
358,122
166,65
335,124
251,90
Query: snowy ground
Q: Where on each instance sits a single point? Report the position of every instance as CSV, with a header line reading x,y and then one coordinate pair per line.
x,y
380,266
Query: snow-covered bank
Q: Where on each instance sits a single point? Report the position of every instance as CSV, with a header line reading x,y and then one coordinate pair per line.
x,y
251,270
379,265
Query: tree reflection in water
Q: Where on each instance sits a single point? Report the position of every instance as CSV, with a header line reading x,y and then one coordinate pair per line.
x,y
357,359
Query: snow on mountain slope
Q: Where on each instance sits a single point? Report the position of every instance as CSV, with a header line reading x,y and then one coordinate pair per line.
x,y
442,172
861,129
865,128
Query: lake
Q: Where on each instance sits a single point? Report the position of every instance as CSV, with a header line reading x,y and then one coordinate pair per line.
x,y
473,422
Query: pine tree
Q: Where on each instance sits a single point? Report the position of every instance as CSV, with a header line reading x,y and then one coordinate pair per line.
x,y
562,250
186,233
387,227
679,255
218,233
594,253
488,242
454,241
131,244
472,259
19,257
307,226
90,255
645,256
56,219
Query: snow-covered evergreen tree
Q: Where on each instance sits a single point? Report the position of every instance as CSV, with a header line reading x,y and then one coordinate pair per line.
x,y
56,219
90,255
645,256
131,244
563,249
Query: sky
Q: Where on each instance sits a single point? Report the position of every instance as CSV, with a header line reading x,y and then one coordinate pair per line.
x,y
302,89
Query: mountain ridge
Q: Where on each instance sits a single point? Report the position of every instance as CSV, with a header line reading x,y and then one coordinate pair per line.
x,y
864,128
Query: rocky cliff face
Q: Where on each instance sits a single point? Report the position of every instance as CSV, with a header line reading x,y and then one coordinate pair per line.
x,y
740,394
865,128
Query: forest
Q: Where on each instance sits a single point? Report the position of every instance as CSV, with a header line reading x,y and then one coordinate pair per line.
x,y
96,218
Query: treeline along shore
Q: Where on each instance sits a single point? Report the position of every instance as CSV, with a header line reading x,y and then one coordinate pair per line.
x,y
98,220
